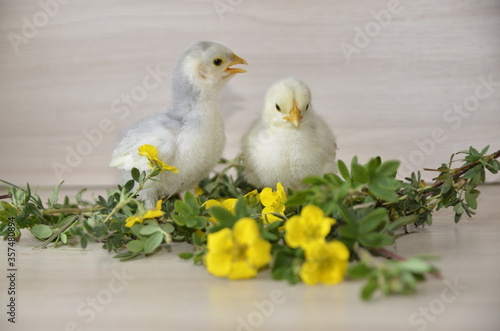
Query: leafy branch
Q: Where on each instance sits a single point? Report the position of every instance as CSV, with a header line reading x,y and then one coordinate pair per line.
x,y
369,207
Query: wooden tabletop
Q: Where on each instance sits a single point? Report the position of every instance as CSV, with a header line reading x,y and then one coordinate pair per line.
x,y
70,288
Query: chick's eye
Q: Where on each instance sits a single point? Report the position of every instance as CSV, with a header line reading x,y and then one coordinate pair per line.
x,y
217,62
307,107
278,107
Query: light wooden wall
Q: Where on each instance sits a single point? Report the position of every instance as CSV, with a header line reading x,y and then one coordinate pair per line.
x,y
393,97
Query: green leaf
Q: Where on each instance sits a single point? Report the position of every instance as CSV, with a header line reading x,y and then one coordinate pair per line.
x,y
484,150
349,230
41,231
376,240
83,242
388,168
64,238
240,209
359,174
372,165
344,172
153,242
299,198
168,227
7,209
136,174
283,265
415,265
129,186
78,196
447,184
274,225
471,198
32,209
185,255
334,179
369,288
315,180
373,220
149,229
472,172
383,193
196,239
223,215
200,222
358,270
55,194
459,209
402,221
190,200
269,236
182,208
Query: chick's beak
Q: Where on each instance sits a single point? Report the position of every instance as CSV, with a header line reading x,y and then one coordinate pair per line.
x,y
295,115
236,60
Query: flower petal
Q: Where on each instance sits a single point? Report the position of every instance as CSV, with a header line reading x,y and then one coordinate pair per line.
x,y
198,191
152,214
325,262
219,263
229,204
280,193
335,274
294,234
165,166
339,249
267,196
259,254
242,269
269,218
130,221
309,273
148,151
220,241
211,203
246,231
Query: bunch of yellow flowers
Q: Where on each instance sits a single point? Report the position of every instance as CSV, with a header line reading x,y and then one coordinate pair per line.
x,y
241,251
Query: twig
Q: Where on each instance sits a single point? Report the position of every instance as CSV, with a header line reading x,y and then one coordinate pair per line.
x,y
61,230
462,170
10,184
388,254
76,211
391,255
5,196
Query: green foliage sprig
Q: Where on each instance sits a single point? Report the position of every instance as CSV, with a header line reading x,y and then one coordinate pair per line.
x,y
369,205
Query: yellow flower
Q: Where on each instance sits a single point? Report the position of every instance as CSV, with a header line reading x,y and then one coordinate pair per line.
x,y
237,253
310,227
130,221
151,153
326,263
252,198
273,202
228,204
198,191
139,218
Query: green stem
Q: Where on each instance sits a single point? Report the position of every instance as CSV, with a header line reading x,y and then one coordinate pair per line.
x,y
129,199
118,206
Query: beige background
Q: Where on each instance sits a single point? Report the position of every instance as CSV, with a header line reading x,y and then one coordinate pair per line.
x,y
67,76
